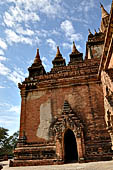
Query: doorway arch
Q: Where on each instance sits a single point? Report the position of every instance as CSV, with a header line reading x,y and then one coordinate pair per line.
x,y
70,147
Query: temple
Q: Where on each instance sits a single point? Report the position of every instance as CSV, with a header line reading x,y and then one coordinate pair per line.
x,y
67,114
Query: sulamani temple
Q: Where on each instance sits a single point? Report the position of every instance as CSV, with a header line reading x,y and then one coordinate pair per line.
x,y
67,113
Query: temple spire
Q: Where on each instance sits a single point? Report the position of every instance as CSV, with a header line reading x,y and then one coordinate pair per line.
x,y
36,68
58,52
75,56
95,31
74,50
99,30
37,58
104,12
89,32
104,19
58,60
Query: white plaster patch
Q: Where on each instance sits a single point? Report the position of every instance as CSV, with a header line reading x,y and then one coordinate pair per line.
x,y
35,94
45,120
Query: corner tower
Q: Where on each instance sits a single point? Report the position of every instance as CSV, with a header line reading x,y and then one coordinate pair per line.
x,y
104,19
58,60
37,68
75,56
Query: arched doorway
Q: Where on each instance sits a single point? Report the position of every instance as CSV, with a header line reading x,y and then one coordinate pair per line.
x,y
70,147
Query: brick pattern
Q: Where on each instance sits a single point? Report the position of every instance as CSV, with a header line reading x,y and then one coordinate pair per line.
x,y
80,87
81,95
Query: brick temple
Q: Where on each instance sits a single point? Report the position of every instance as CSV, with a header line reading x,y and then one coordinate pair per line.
x,y
67,114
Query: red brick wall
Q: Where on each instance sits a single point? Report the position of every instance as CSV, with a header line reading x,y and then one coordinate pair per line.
x,y
85,100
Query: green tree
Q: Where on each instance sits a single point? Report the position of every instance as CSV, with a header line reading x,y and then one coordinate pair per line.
x,y
3,141
13,139
7,143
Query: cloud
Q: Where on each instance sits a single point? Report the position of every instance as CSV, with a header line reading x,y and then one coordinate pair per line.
x,y
15,109
2,87
2,58
28,32
17,15
69,31
1,52
52,44
13,37
11,116
15,76
44,59
3,45
67,27
85,5
54,32
67,45
4,70
76,37
49,7
9,108
70,46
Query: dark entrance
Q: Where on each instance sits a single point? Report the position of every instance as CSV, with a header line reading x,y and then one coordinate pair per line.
x,y
70,147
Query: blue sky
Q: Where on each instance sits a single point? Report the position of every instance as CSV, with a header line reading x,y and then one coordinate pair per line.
x,y
26,25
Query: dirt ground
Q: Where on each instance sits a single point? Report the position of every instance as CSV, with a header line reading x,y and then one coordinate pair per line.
x,y
107,165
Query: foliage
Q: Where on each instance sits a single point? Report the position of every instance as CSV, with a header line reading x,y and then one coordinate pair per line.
x,y
7,143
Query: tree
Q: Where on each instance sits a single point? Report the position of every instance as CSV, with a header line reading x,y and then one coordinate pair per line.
x,y
7,143
14,139
3,141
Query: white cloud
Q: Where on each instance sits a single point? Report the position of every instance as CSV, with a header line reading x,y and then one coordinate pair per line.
x,y
28,32
11,116
54,32
44,59
2,87
67,45
12,37
15,76
15,109
69,31
10,108
85,5
45,62
23,8
67,27
3,45
52,44
16,15
76,37
4,70
2,58
1,52
70,46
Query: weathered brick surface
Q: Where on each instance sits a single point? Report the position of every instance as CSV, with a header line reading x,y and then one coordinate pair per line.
x,y
84,93
78,97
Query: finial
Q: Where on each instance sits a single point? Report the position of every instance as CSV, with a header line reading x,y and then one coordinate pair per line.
x,y
58,52
101,5
37,52
89,32
74,50
95,31
99,30
37,58
104,12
